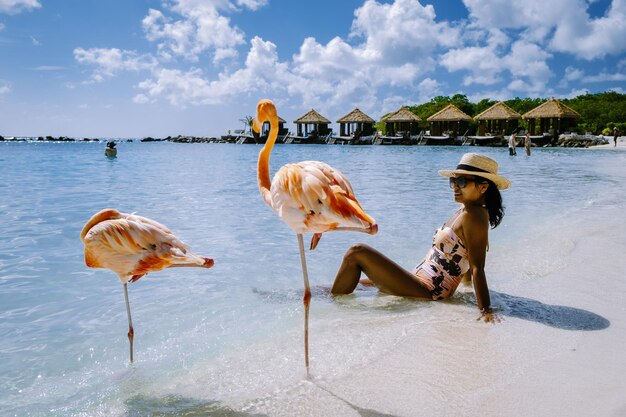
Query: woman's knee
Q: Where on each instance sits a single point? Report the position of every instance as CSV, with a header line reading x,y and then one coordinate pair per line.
x,y
357,252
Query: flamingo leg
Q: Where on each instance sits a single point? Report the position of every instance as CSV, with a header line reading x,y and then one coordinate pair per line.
x,y
315,240
131,332
306,300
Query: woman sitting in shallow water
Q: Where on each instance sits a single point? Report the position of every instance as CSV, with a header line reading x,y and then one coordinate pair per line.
x,y
459,246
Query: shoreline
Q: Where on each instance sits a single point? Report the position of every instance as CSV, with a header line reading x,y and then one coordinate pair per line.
x,y
621,144
562,142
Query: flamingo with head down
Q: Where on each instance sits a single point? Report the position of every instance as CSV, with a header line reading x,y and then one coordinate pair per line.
x,y
132,246
310,196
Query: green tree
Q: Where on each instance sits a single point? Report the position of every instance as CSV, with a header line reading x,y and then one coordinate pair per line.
x,y
598,111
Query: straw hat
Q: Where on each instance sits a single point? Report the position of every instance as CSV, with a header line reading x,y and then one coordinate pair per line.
x,y
481,166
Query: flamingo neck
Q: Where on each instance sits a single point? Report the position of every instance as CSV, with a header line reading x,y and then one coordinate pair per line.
x,y
263,166
102,215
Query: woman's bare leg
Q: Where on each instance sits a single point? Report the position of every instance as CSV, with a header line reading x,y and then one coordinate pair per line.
x,y
388,276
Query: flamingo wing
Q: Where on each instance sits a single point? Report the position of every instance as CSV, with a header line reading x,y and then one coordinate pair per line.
x,y
311,196
134,245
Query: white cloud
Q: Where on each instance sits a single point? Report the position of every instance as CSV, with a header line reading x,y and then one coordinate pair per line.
x,y
573,93
4,89
605,76
18,6
202,28
400,32
529,61
2,26
385,51
48,68
111,61
538,14
519,85
34,41
482,62
396,53
526,62
573,74
262,72
506,42
252,4
593,38
141,99
179,88
564,25
428,88
497,95
391,104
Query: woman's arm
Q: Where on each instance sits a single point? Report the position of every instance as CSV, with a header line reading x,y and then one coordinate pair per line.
x,y
475,225
476,237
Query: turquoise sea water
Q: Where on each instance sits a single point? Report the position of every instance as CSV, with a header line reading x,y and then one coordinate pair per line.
x,y
225,341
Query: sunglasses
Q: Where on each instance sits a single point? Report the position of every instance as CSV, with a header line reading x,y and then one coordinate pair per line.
x,y
461,182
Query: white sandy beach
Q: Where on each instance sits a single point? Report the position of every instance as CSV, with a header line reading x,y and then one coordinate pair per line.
x,y
515,368
621,143
557,352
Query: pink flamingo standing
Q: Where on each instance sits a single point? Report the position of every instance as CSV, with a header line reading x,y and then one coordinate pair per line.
x,y
132,246
310,196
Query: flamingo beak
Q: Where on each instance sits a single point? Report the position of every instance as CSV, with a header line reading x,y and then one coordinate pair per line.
x,y
373,229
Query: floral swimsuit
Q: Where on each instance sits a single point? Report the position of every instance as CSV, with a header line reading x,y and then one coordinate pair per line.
x,y
444,264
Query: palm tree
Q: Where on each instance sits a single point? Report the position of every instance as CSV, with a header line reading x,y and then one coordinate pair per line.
x,y
247,123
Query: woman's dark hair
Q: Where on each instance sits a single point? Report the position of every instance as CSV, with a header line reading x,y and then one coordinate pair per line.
x,y
493,201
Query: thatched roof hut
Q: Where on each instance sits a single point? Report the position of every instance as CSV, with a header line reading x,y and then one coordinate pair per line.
x,y
498,119
313,119
403,114
554,117
552,108
402,120
356,122
450,113
449,119
281,127
499,111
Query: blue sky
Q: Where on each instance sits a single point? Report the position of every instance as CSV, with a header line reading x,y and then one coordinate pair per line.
x,y
120,68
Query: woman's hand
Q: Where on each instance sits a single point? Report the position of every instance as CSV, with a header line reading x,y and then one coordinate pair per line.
x,y
489,316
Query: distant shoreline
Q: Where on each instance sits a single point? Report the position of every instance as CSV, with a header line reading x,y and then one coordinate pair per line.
x,y
579,141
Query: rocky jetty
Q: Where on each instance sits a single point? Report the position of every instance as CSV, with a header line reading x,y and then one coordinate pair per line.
x,y
580,141
191,139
